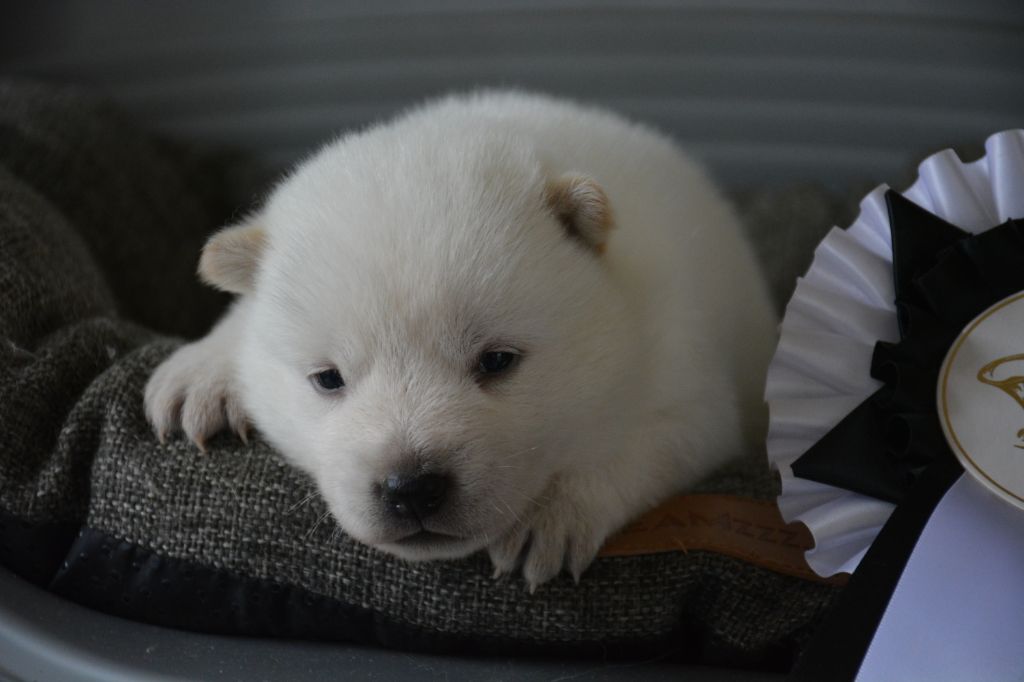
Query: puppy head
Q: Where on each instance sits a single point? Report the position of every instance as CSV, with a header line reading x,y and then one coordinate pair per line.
x,y
434,334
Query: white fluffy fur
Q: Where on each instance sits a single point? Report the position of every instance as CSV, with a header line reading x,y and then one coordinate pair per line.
x,y
399,253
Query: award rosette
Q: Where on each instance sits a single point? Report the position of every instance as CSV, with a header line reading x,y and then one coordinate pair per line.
x,y
900,366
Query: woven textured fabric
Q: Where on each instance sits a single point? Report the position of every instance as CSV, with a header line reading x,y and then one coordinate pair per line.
x,y
100,228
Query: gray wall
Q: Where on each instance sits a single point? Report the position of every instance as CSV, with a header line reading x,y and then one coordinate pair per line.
x,y
766,92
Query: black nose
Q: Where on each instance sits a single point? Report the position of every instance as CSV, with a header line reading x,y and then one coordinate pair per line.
x,y
415,496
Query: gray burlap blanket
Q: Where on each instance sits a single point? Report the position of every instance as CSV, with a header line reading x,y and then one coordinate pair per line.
x,y
100,228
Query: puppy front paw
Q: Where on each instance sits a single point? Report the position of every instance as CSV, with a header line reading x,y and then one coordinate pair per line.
x,y
192,391
565,533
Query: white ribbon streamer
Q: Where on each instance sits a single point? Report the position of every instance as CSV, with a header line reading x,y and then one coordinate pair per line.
x,y
958,609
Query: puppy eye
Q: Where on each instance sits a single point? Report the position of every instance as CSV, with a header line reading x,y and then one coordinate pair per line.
x,y
328,380
496,361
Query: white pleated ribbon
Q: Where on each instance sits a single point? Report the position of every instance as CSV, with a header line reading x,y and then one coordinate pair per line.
x,y
842,306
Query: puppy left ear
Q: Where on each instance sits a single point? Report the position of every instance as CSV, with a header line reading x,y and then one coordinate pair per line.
x,y
231,256
582,207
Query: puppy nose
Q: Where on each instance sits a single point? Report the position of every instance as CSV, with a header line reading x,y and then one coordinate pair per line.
x,y
415,496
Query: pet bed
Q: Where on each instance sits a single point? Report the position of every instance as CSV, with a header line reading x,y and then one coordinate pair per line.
x,y
100,227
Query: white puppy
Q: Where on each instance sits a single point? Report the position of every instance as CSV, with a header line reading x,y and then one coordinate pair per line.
x,y
499,321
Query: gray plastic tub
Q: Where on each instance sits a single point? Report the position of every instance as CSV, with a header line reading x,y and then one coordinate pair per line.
x,y
767,93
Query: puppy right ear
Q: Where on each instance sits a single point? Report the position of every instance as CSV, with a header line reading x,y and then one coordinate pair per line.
x,y
231,256
582,207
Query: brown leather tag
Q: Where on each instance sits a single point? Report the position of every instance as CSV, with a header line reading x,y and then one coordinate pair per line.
x,y
740,527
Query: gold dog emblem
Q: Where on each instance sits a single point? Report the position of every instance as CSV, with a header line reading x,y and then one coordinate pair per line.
x,y
1012,385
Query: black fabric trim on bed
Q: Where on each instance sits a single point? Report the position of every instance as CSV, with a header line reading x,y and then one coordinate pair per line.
x,y
116,577
34,551
98,571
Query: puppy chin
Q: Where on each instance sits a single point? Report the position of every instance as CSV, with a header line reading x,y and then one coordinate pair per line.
x,y
413,542
427,546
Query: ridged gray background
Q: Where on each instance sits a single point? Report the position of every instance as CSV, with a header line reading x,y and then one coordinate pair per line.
x,y
766,92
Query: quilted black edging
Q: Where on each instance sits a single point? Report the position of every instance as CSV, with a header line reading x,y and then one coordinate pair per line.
x,y
125,580
34,551
107,574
